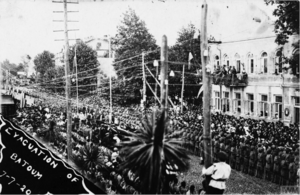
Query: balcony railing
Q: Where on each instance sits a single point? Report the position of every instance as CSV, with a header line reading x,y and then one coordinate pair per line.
x,y
231,80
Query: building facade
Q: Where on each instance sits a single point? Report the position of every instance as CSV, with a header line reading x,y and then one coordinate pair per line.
x,y
271,93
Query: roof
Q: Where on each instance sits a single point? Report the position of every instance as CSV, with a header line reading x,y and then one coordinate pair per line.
x,y
7,99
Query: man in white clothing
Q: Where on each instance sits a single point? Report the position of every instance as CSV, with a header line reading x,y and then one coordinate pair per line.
x,y
219,173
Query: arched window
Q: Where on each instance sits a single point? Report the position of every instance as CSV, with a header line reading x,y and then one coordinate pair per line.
x,y
251,63
217,60
238,63
226,60
278,62
264,62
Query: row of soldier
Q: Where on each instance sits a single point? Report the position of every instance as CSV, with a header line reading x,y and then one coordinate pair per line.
x,y
257,157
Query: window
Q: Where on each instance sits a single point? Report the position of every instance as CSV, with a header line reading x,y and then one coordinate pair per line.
x,y
217,100
251,63
278,62
217,60
296,110
226,94
263,106
238,63
226,102
226,60
296,101
237,102
277,108
264,98
250,104
264,58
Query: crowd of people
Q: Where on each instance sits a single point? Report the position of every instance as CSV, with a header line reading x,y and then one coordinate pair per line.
x,y
255,147
262,149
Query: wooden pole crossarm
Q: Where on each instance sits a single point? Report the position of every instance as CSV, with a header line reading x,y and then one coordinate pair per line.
x,y
159,85
152,75
153,92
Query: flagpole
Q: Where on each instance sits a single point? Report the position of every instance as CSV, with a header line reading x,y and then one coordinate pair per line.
x,y
182,88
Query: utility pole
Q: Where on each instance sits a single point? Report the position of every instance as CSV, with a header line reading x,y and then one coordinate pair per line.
x,y
206,87
75,61
164,74
144,78
68,82
221,83
182,88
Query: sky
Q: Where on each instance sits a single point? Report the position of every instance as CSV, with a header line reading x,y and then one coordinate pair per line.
x,y
27,25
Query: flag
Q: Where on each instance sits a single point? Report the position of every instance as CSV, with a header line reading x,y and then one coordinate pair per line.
x,y
190,58
200,91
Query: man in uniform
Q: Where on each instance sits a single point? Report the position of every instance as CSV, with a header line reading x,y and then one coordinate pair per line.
x,y
283,168
292,174
233,152
227,148
216,148
252,161
246,158
269,165
239,157
276,167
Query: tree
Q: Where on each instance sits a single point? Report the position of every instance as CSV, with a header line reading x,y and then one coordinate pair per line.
x,y
25,61
185,44
150,153
43,62
132,39
287,24
7,65
87,67
92,158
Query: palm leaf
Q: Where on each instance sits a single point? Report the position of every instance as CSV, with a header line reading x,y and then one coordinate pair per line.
x,y
149,152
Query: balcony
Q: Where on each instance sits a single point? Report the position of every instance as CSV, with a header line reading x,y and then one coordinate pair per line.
x,y
231,80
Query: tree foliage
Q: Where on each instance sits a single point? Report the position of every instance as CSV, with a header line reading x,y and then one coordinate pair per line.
x,y
87,67
287,24
12,67
43,62
132,39
185,44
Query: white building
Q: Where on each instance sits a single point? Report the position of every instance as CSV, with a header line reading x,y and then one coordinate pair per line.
x,y
267,95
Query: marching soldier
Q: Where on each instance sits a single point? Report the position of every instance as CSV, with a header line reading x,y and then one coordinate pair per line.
x,y
292,174
246,159
222,145
233,152
227,150
252,161
269,165
284,169
197,142
239,158
216,149
276,169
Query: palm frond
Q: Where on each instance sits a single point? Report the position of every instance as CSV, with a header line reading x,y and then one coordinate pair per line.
x,y
149,153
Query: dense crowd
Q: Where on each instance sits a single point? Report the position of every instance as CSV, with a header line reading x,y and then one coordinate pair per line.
x,y
262,149
255,147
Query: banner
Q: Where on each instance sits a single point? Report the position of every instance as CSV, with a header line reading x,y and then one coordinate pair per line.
x,y
27,167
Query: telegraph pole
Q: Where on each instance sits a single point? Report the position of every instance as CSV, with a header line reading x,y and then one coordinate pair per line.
x,y
164,74
144,78
68,82
206,87
182,88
